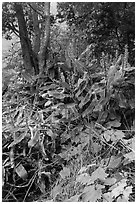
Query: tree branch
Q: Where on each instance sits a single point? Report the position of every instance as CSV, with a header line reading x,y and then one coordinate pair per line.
x,y
36,10
12,27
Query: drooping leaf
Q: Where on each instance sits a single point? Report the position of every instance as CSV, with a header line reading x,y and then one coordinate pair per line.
x,y
86,99
34,139
20,116
28,77
79,66
81,87
90,108
42,186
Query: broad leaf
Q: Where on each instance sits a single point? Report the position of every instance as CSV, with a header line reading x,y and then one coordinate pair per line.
x,y
65,173
83,178
118,188
127,191
118,134
113,123
110,181
91,194
56,190
108,134
99,173
114,162
130,156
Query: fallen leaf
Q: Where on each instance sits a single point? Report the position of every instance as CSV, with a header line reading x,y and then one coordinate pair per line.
x,y
21,171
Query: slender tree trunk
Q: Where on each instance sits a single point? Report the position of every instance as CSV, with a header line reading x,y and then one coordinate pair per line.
x,y
44,47
36,40
29,58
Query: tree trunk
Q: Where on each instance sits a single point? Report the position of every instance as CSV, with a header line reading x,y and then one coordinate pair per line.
x,y
29,58
36,40
44,48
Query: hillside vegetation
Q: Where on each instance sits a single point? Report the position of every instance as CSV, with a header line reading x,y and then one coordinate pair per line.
x,y
68,132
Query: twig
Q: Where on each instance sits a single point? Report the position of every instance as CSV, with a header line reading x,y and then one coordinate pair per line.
x,y
10,193
31,182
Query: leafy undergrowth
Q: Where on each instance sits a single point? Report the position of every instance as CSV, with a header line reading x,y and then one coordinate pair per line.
x,y
71,138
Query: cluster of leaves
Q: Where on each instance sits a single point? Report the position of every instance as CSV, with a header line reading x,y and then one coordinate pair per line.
x,y
100,136
74,129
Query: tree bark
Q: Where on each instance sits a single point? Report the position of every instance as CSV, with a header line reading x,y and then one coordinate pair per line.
x,y
36,40
44,47
29,58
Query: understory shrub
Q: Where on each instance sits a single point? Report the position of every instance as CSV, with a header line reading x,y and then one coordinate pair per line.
x,y
69,136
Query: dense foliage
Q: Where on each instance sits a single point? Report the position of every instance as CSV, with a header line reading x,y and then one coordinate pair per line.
x,y
107,25
68,135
